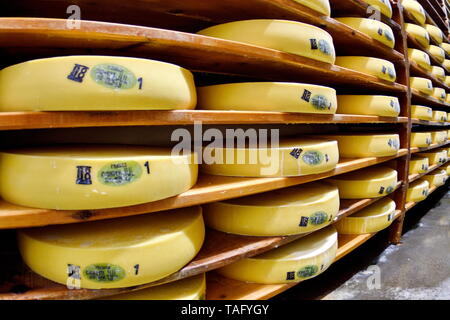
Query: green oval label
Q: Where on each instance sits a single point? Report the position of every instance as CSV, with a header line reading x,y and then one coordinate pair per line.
x,y
389,189
307,271
113,76
325,47
104,272
320,102
312,158
395,105
391,73
388,35
119,173
318,218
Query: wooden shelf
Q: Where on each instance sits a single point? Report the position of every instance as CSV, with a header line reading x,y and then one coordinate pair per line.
x,y
219,249
221,288
208,189
414,44
433,146
429,123
417,71
32,37
416,176
423,99
432,16
72,119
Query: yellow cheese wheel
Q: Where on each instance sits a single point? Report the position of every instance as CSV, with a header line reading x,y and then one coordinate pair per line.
x,y
419,33
438,72
436,178
447,100
373,218
446,64
423,85
421,112
435,156
440,94
440,116
294,157
114,253
321,6
421,139
384,6
294,210
296,261
418,165
375,29
379,68
439,136
95,83
80,177
446,47
288,36
447,80
418,191
415,9
384,106
435,33
193,288
268,96
446,168
370,182
437,52
421,58
367,145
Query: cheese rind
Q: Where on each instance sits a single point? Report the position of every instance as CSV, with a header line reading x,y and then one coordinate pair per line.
x,y
289,211
373,182
416,10
321,6
283,35
435,157
295,157
421,58
114,253
446,47
268,96
375,29
421,112
438,72
439,116
418,165
437,52
367,145
439,94
421,139
192,288
419,33
384,6
384,106
85,177
435,33
446,64
379,68
423,85
439,136
373,218
293,262
446,168
95,83
436,178
418,191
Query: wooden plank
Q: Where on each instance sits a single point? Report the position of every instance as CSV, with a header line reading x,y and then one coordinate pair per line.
x,y
73,119
431,147
34,37
208,189
421,98
433,17
430,123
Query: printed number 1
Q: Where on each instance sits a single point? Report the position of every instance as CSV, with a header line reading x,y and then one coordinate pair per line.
x,y
136,267
147,165
140,80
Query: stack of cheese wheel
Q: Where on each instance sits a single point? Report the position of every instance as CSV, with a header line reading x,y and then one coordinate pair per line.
x,y
114,253
421,112
78,177
383,106
321,6
95,83
415,9
375,29
418,164
193,288
446,47
418,191
367,145
440,94
418,33
421,139
421,58
436,178
371,182
294,210
294,157
435,33
439,116
438,72
268,96
283,35
439,136
299,260
376,67
437,52
435,156
373,218
423,85
384,6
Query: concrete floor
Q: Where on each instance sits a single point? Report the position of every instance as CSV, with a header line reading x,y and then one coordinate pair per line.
x,y
419,268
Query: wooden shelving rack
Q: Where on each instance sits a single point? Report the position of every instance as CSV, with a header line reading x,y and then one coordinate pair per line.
x,y
163,30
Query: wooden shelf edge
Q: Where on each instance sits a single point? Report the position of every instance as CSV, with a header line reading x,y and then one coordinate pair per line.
x,y
416,69
429,123
423,98
431,147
